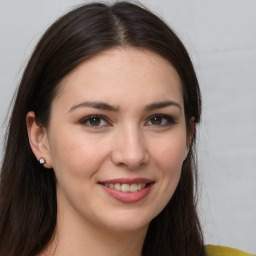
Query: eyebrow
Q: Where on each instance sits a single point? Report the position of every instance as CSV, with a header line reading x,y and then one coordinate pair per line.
x,y
162,104
106,106
94,104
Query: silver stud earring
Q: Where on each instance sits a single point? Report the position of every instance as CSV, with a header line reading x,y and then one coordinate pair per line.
x,y
42,161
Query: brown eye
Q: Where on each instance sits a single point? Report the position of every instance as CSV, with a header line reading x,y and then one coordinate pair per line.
x,y
94,121
160,120
156,120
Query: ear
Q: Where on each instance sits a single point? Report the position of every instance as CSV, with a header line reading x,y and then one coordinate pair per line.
x,y
38,139
190,132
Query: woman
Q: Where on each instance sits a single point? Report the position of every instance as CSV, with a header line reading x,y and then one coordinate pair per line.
x,y
100,150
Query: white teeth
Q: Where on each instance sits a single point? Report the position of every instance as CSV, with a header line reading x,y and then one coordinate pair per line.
x,y
118,187
133,188
126,187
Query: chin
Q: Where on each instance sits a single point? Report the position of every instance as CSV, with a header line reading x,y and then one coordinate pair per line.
x,y
129,221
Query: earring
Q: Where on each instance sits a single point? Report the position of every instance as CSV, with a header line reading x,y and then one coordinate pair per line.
x,y
42,161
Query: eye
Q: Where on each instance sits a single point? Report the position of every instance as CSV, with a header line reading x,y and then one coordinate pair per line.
x,y
160,120
94,121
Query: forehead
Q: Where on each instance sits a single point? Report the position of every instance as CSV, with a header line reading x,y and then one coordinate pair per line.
x,y
122,74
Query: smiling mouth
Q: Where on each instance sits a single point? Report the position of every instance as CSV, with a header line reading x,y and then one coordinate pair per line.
x,y
127,190
126,187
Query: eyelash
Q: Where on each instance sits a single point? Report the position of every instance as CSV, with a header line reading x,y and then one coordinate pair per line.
x,y
85,121
169,120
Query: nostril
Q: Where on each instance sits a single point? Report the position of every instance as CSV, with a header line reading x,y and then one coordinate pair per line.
x,y
129,150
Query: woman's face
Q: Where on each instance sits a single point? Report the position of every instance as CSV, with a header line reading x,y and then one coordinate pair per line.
x,y
117,139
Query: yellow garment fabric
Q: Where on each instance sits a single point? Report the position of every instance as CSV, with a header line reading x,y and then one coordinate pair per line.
x,y
216,250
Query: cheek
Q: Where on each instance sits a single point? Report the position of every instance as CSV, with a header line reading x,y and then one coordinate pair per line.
x,y
169,157
75,162
171,152
74,155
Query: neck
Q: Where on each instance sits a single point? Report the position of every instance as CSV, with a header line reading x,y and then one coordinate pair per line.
x,y
88,239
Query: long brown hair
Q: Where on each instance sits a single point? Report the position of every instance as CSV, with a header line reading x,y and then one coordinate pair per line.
x,y
28,204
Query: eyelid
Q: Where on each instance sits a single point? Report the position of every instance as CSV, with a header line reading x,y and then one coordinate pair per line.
x,y
170,120
87,118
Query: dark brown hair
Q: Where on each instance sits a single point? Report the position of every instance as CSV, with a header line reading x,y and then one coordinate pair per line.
x,y
28,204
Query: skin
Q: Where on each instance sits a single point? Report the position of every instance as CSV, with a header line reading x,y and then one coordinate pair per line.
x,y
127,142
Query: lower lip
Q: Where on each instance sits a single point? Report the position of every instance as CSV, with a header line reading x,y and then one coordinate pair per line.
x,y
128,197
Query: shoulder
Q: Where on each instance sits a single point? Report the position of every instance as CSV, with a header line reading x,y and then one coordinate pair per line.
x,y
216,250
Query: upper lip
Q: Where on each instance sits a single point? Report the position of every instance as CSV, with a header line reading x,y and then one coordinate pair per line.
x,y
127,181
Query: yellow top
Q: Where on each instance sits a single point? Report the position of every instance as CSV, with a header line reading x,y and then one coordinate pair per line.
x,y
216,250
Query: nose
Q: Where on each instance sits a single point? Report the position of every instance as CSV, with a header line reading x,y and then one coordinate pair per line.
x,y
129,148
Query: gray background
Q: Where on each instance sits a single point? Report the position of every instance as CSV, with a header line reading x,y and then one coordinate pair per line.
x,y
220,36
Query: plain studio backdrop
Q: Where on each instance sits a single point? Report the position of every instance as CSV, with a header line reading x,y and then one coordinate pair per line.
x,y
220,36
